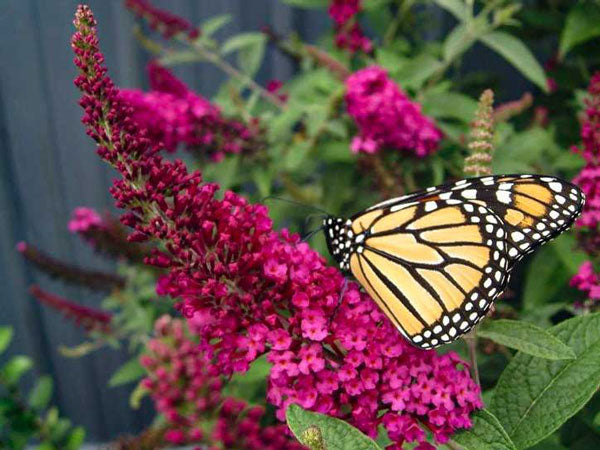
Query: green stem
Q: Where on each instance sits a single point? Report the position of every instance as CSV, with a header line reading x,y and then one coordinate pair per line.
x,y
471,341
233,72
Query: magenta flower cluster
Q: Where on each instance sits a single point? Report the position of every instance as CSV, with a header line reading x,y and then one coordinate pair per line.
x,y
249,290
164,22
586,280
186,389
589,178
174,115
348,32
386,117
90,319
84,219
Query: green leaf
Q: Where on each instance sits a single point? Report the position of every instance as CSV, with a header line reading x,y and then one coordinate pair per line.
x,y
6,334
389,60
296,155
335,151
41,394
128,373
457,42
450,105
335,433
525,337
307,3
516,53
486,434
416,71
213,24
135,399
76,439
566,249
534,396
15,368
545,276
582,24
250,48
457,8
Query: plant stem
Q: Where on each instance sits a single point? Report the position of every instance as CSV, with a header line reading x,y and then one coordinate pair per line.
x,y
471,341
393,28
453,445
233,72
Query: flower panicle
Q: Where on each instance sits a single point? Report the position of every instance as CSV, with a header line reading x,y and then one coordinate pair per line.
x,y
93,279
106,235
587,280
481,138
349,33
386,117
91,319
171,115
507,110
166,23
187,390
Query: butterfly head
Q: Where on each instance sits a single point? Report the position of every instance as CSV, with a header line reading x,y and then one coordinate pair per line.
x,y
339,237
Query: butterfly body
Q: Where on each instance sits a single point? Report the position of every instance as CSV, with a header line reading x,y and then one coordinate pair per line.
x,y
435,261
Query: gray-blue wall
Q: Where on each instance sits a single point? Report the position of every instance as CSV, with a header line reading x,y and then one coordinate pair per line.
x,y
48,167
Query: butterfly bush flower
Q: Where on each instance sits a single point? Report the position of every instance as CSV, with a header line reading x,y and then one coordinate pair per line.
x,y
386,117
349,33
250,290
164,22
586,280
186,389
172,114
90,319
589,178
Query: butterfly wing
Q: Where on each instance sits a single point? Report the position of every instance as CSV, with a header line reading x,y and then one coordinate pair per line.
x,y
435,260
534,209
434,267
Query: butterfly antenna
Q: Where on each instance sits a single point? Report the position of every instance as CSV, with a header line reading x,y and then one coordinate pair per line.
x,y
293,202
311,234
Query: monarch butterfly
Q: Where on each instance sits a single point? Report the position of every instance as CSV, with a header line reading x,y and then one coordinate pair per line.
x,y
435,260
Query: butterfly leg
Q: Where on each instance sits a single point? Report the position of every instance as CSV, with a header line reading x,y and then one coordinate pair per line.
x,y
339,301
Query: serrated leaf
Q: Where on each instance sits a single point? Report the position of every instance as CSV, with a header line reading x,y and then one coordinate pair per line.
x,y
41,394
457,8
525,337
15,368
534,396
335,433
6,334
307,3
213,24
128,373
486,434
582,24
515,52
450,105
